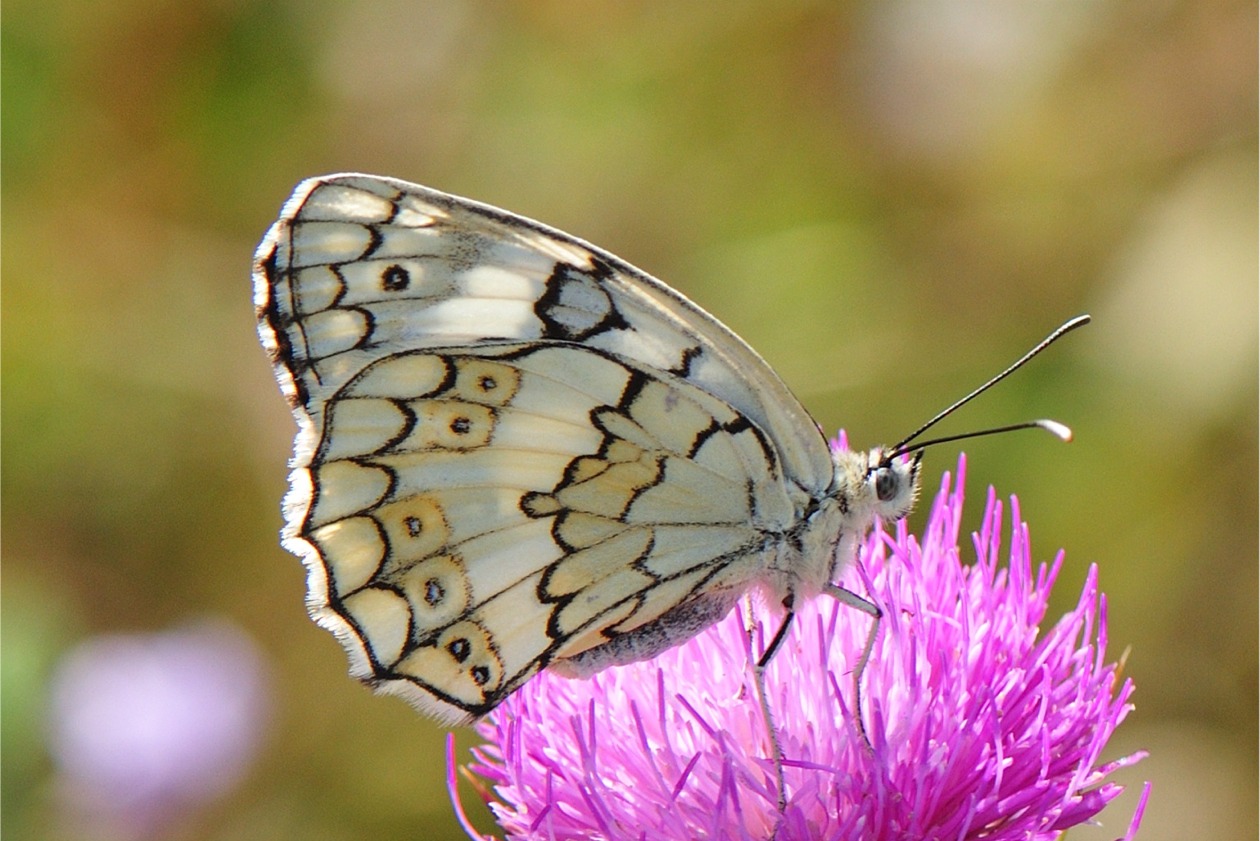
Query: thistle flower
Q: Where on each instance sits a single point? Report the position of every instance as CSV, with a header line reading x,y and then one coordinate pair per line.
x,y
980,725
147,728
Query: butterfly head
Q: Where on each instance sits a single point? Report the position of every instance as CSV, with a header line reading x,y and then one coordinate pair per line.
x,y
876,483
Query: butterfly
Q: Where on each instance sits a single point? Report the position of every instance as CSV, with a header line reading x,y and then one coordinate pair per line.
x,y
516,451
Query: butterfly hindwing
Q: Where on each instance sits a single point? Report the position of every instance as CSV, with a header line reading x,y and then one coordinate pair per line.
x,y
478,513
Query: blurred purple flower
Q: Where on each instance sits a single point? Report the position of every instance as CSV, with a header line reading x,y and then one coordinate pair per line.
x,y
144,728
981,727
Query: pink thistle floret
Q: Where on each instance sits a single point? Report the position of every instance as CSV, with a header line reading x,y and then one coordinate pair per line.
x,y
980,725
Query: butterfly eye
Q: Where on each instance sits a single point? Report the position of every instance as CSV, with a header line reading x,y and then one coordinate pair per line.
x,y
885,484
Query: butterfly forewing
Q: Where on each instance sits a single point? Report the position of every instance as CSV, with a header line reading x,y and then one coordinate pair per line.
x,y
514,450
375,265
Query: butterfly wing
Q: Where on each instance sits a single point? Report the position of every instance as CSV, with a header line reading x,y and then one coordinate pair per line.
x,y
513,447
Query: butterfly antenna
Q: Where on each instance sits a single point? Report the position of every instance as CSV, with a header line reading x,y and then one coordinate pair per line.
x,y
1054,427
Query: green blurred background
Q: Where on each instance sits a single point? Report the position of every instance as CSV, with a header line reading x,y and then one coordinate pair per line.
x,y
889,200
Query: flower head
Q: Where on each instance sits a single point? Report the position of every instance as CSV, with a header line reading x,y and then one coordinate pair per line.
x,y
981,726
145,728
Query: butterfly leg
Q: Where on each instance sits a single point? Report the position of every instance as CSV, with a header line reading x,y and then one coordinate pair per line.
x,y
851,599
776,642
759,675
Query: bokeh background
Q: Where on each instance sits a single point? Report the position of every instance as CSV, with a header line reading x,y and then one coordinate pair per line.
x,y
890,200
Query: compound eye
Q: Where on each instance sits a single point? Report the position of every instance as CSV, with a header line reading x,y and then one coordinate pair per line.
x,y
885,484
